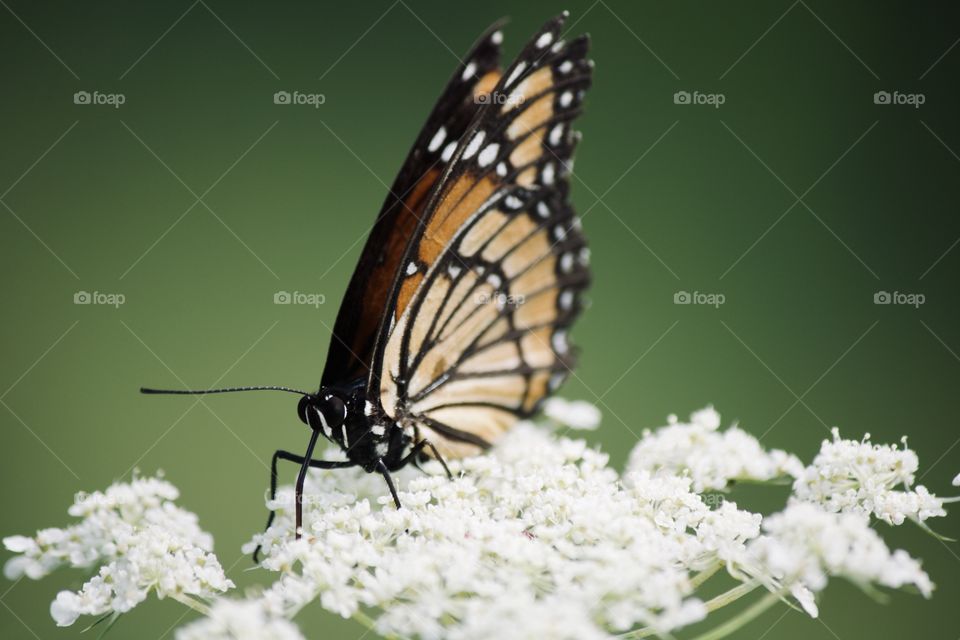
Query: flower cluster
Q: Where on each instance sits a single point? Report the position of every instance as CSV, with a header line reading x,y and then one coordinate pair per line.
x,y
537,538
849,476
143,541
239,620
712,458
529,541
804,545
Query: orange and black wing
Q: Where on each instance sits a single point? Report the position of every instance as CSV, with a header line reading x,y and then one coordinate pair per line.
x,y
476,331
366,300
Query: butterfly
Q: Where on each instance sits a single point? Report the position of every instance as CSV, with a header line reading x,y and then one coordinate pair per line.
x,y
454,324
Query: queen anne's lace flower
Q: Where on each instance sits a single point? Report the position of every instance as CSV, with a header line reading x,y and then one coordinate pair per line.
x,y
138,504
239,620
804,545
853,476
538,538
712,458
143,540
538,524
576,414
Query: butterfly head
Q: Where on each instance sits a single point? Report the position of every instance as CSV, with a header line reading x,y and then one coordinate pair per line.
x,y
323,412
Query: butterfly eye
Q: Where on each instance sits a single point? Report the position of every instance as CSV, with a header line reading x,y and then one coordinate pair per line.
x,y
332,411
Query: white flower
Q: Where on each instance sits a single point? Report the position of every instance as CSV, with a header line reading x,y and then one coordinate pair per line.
x,y
576,414
239,620
143,540
956,481
536,539
804,545
712,458
139,503
853,476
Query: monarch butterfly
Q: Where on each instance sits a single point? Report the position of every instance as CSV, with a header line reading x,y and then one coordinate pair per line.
x,y
454,324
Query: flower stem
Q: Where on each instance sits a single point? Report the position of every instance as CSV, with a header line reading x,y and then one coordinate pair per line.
x,y
705,575
711,605
741,619
732,595
193,603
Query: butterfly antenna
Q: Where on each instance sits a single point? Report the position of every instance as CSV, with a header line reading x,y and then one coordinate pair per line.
x,y
189,392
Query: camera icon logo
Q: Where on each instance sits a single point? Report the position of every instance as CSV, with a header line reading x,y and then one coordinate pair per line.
x,y
682,297
881,97
282,297
81,97
681,97
281,97
882,297
82,297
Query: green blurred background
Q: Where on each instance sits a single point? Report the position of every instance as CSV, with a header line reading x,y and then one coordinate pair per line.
x,y
694,198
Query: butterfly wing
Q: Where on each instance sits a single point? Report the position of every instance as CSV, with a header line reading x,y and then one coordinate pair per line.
x,y
477,334
364,304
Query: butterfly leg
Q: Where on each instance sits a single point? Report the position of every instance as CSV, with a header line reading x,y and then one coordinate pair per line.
x,y
385,472
280,454
417,449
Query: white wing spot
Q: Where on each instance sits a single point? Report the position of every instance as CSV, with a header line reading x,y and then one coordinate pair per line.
x,y
565,66
559,232
513,202
544,40
469,70
560,342
502,169
474,145
488,155
543,209
494,280
448,151
559,45
547,173
497,37
556,135
515,73
566,300
437,139
453,270
566,262
565,99
585,256
411,268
